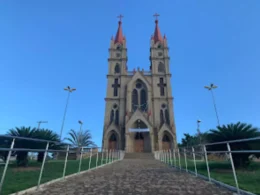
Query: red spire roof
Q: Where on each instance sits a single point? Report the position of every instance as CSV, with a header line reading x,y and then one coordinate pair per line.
x,y
157,34
119,35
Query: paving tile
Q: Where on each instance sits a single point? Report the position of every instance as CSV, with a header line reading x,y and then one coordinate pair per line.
x,y
134,177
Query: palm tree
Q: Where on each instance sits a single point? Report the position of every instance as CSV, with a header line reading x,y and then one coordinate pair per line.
x,y
28,132
46,134
4,143
80,139
235,132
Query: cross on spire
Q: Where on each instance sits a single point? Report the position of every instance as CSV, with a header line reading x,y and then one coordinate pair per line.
x,y
156,16
120,17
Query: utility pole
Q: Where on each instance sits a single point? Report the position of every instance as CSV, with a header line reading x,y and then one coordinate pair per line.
x,y
39,124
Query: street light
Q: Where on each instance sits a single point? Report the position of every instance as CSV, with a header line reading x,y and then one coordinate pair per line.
x,y
81,123
69,91
199,133
40,122
210,88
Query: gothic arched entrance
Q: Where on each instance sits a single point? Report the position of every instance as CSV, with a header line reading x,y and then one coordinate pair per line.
x,y
166,141
140,137
113,142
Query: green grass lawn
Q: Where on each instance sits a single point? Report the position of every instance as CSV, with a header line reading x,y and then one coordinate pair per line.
x,y
18,179
248,179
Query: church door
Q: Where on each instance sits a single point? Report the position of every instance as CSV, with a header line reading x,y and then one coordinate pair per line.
x,y
112,145
139,142
166,143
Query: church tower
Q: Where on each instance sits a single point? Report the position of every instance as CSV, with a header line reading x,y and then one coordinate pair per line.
x,y
139,113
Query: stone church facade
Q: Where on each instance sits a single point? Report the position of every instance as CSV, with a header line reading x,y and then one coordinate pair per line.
x,y
139,99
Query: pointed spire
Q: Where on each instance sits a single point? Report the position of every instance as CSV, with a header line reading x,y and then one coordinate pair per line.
x,y
157,34
119,35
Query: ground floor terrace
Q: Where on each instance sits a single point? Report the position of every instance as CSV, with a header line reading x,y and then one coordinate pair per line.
x,y
140,137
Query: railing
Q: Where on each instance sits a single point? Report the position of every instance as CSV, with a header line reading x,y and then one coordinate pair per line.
x,y
218,163
66,161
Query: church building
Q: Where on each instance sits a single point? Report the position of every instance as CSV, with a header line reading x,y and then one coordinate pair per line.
x,y
139,114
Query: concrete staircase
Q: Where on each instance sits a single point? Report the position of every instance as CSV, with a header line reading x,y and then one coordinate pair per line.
x,y
139,156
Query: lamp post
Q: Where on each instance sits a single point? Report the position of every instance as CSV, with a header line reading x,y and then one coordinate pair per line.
x,y
63,120
199,133
40,122
198,129
81,123
210,88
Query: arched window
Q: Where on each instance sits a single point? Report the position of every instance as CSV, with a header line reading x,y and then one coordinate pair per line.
x,y
112,116
164,115
117,117
117,68
161,117
139,96
161,68
134,100
119,47
167,118
143,100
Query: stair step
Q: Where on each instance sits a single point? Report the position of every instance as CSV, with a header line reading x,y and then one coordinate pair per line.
x,y
139,156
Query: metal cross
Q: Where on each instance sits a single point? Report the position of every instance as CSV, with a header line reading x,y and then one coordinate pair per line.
x,y
120,17
156,16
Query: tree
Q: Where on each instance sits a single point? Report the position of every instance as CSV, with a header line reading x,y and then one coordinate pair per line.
x,y
193,140
80,139
4,143
235,132
28,132
189,140
46,134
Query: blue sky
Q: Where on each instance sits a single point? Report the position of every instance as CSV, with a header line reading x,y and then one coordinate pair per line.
x,y
47,45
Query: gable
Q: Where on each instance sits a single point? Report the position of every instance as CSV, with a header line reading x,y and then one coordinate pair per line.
x,y
138,115
137,76
165,127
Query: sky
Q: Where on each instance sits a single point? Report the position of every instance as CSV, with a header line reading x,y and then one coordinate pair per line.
x,y
46,45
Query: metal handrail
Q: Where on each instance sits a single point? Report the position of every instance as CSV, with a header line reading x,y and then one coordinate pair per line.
x,y
165,156
31,139
232,141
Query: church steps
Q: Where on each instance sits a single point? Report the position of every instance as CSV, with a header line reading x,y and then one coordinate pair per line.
x,y
139,155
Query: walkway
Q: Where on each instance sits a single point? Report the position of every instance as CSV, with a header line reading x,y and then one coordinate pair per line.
x,y
134,177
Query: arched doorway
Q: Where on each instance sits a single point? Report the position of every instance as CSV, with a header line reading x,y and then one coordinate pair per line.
x,y
113,142
167,141
139,142
140,137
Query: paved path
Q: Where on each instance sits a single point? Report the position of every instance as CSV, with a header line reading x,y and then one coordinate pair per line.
x,y
134,177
